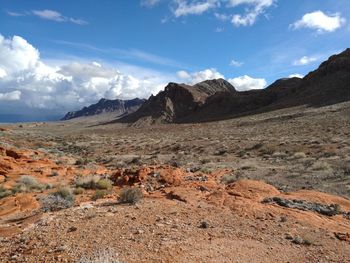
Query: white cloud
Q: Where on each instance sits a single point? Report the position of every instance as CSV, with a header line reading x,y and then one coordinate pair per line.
x,y
149,3
257,8
49,15
183,74
13,95
2,73
199,76
296,75
27,80
241,83
10,13
222,17
305,60
245,82
184,8
320,21
235,63
253,9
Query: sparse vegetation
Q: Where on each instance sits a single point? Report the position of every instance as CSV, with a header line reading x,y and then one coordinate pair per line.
x,y
103,256
78,191
99,194
130,195
93,182
228,179
321,166
61,199
4,192
54,174
87,182
28,183
82,161
104,184
299,155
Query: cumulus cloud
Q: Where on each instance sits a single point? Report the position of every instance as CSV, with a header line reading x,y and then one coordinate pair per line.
x,y
305,60
199,76
184,7
253,9
245,82
25,78
13,95
320,21
296,75
257,7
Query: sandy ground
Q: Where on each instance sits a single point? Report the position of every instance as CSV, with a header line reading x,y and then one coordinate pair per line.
x,y
206,205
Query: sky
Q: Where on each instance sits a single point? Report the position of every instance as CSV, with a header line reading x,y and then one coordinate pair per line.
x,y
59,55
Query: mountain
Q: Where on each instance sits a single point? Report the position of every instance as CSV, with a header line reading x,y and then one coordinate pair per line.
x,y
177,101
120,107
217,99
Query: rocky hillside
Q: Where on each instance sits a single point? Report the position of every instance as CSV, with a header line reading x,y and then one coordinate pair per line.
x,y
120,107
217,99
177,101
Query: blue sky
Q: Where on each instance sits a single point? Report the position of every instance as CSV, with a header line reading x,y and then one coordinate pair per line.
x,y
75,52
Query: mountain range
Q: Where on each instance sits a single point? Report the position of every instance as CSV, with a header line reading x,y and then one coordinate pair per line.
x,y
119,107
217,99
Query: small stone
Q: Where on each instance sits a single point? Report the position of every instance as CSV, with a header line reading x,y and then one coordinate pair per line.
x,y
139,231
61,249
298,240
289,236
204,225
72,229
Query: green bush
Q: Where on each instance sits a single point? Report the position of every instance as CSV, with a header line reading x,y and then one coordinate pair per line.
x,y
87,182
93,182
99,194
104,184
130,195
78,191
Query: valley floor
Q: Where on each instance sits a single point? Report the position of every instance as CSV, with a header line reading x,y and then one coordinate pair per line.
x,y
206,188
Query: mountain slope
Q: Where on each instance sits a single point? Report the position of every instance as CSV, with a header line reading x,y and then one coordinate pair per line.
x,y
178,100
217,99
119,107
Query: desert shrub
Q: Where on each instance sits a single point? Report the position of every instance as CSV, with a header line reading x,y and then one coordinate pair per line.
x,y
130,195
321,166
267,149
28,183
78,191
82,161
228,179
299,155
104,184
99,194
4,192
102,256
87,182
54,174
61,199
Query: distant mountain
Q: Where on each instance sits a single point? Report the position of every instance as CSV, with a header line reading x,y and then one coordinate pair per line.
x,y
119,107
217,99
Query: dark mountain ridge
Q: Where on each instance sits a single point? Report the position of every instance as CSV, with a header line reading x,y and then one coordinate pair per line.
x,y
217,99
120,107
